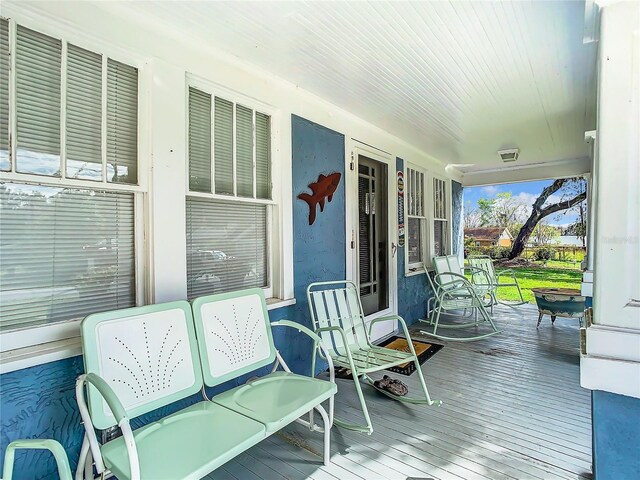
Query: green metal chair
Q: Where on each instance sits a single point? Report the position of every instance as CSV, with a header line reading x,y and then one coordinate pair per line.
x,y
454,292
485,275
338,319
64,471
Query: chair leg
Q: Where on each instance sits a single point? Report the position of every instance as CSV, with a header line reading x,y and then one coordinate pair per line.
x,y
424,384
327,434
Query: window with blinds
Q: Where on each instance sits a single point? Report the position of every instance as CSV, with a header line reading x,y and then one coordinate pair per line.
x,y
67,236
229,147
416,219
440,219
75,111
64,253
226,246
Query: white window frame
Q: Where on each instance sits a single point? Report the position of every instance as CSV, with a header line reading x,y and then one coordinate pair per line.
x,y
275,289
417,268
35,345
433,219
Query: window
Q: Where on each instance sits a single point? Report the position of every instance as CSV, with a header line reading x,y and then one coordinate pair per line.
x,y
440,218
416,220
68,181
229,196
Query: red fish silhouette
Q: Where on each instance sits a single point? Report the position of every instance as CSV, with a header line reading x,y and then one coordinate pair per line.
x,y
325,187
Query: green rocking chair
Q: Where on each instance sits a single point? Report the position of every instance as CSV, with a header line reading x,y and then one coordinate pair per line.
x,y
483,274
338,319
454,292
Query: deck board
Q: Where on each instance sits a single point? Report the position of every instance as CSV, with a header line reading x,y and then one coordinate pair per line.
x,y
513,409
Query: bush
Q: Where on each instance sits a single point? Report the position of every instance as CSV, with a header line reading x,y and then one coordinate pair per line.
x,y
498,252
545,253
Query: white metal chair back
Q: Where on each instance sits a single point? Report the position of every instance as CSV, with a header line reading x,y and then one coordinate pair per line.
x,y
337,304
483,272
445,264
148,356
234,334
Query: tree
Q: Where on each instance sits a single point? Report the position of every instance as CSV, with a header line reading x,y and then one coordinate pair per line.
x,y
573,193
485,209
543,233
471,216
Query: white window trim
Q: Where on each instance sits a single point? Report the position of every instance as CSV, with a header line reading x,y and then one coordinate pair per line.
x,y
276,289
432,218
429,234
40,344
417,268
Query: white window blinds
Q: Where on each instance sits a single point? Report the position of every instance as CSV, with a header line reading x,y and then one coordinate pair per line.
x,y
226,246
64,253
4,95
199,141
241,148
416,213
76,111
38,60
122,123
84,114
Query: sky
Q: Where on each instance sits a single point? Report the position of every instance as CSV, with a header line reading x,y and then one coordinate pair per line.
x,y
528,191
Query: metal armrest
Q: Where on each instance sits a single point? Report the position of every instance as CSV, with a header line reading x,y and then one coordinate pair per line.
x,y
62,462
316,340
119,414
403,324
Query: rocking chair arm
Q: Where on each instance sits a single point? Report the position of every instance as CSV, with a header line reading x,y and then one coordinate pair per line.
x,y
344,342
317,341
506,271
403,324
452,284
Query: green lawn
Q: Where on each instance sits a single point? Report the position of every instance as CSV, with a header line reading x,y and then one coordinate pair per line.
x,y
549,276
553,274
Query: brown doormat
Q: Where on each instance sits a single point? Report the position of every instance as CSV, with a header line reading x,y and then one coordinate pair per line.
x,y
424,351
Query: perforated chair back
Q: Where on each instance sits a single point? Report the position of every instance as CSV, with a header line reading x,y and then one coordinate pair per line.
x,y
337,304
148,356
234,334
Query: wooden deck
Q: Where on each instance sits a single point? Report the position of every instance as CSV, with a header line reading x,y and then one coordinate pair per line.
x,y
513,409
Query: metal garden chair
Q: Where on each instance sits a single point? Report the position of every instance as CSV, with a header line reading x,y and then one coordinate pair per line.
x,y
454,292
338,319
485,274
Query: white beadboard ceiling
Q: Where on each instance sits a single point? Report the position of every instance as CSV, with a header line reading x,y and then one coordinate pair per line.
x,y
459,80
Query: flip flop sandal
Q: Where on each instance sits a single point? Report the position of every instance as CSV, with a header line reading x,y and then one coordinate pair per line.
x,y
344,373
398,388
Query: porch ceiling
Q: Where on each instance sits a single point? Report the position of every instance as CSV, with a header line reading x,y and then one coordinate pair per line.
x,y
459,80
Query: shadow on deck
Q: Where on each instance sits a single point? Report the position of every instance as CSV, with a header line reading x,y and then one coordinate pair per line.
x,y
513,409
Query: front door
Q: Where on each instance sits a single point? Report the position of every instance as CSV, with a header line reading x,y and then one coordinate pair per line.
x,y
373,237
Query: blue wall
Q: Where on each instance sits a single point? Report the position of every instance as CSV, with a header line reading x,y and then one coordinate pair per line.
x,y
616,436
39,402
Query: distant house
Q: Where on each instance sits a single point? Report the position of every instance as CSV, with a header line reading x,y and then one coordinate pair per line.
x,y
489,236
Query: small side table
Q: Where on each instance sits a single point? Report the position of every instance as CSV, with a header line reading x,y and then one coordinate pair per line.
x,y
559,302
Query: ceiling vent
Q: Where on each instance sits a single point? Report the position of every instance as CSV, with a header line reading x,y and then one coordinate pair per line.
x,y
509,155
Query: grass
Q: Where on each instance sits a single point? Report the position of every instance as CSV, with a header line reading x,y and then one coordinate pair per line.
x,y
553,274
548,276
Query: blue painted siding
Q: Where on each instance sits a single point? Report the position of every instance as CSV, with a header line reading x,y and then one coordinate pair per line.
x,y
616,436
39,402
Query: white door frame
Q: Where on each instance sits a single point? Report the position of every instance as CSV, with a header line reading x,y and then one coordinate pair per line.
x,y
355,148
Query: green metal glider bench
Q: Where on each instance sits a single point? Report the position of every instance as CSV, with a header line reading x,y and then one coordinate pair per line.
x,y
485,274
454,292
338,319
142,359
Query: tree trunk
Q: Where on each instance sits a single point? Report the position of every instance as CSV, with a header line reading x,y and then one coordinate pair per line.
x,y
538,213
